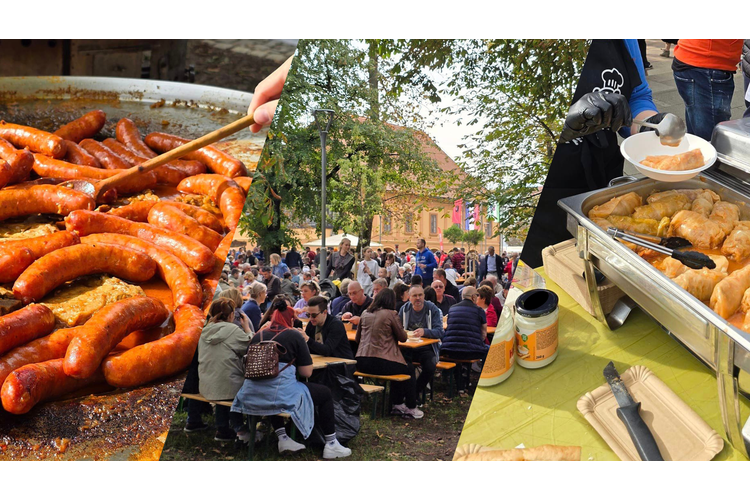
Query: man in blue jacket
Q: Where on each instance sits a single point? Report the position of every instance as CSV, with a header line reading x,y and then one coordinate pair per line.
x,y
426,262
426,320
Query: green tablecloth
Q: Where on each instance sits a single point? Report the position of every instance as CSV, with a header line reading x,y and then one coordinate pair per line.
x,y
536,407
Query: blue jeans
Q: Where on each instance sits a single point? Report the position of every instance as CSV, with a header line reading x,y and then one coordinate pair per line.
x,y
707,94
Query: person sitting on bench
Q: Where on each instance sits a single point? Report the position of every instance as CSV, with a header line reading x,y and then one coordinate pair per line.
x,y
326,334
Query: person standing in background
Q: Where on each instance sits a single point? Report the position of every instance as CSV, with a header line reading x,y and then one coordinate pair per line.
x,y
644,56
293,259
425,261
668,47
745,65
367,272
704,74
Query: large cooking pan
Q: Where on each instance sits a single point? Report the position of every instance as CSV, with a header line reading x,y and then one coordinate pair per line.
x,y
121,424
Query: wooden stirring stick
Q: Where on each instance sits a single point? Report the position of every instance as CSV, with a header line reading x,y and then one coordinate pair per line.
x,y
96,189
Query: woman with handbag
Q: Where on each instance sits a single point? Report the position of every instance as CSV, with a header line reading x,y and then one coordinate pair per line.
x,y
277,353
220,369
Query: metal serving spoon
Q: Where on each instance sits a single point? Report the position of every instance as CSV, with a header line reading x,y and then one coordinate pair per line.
x,y
670,130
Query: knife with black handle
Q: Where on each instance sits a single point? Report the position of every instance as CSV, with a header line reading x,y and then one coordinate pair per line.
x,y
629,412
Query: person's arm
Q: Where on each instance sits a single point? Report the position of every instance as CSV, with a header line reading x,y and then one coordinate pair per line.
x,y
431,263
335,336
484,331
641,99
358,336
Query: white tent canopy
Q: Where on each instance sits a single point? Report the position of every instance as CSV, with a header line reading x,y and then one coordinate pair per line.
x,y
335,240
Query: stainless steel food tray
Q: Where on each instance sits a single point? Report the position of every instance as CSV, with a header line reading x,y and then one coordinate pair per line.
x,y
711,338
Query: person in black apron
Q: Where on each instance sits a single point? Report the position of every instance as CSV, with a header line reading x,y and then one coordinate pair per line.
x,y
588,155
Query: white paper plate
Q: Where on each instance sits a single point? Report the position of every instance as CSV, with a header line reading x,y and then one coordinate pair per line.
x,y
637,147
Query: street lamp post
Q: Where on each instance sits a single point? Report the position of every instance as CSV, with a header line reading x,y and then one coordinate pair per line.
x,y
323,119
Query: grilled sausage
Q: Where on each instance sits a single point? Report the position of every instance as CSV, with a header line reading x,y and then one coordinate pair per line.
x,y
25,325
36,140
65,264
222,190
191,252
106,329
232,203
216,160
136,211
106,156
33,384
20,162
79,156
42,199
52,346
174,219
6,174
200,214
176,274
17,255
161,358
211,280
244,183
166,174
84,127
129,135
48,167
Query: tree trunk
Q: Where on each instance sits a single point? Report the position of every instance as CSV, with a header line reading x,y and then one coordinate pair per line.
x,y
274,228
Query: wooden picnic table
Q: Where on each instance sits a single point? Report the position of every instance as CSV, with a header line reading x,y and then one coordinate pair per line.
x,y
352,334
323,361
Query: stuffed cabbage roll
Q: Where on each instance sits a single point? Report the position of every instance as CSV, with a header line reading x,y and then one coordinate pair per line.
x,y
727,295
700,283
691,194
737,244
643,226
725,214
683,161
666,207
703,204
673,268
697,229
620,205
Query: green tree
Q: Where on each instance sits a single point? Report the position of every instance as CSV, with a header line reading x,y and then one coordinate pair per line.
x,y
472,237
454,234
370,148
520,91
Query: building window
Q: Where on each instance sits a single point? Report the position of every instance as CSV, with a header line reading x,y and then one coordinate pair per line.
x,y
409,223
433,224
488,229
387,223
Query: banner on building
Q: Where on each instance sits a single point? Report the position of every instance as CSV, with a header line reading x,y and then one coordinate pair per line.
x,y
457,209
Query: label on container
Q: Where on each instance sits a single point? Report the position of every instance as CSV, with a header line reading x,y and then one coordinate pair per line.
x,y
500,359
537,345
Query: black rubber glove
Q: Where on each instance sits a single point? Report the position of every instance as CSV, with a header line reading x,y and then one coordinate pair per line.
x,y
596,111
655,119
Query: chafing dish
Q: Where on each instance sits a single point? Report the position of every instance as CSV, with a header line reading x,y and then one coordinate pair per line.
x,y
721,346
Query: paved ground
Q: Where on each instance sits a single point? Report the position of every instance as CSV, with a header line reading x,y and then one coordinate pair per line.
x,y
275,50
665,94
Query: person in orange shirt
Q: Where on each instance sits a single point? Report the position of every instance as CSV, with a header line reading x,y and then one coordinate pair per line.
x,y
704,74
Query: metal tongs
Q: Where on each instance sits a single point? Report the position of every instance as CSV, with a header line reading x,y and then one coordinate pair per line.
x,y
691,258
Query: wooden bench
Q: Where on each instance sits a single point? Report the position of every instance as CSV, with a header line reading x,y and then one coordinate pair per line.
x,y
443,366
387,379
374,392
459,377
252,419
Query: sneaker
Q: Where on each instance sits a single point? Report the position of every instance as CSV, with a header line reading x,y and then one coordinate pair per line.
x,y
414,413
192,427
665,53
243,435
335,450
290,445
649,66
398,409
225,435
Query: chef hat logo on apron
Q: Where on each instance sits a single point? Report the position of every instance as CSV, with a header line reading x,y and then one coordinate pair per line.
x,y
612,81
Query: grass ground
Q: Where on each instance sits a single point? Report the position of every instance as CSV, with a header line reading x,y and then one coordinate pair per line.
x,y
391,438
